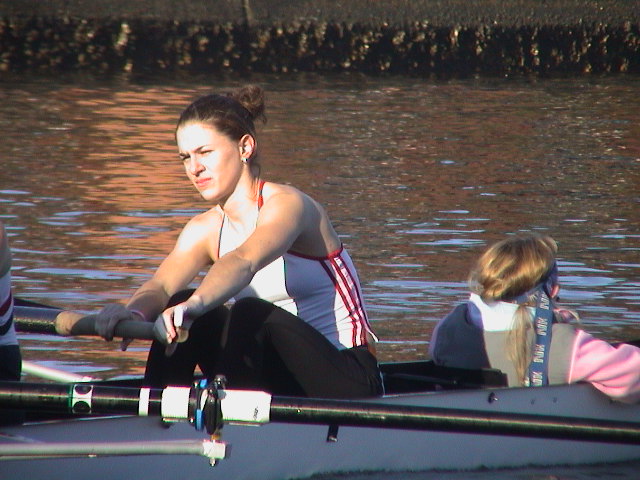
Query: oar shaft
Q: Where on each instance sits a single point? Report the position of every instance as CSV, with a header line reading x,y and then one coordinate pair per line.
x,y
369,414
56,375
82,398
58,322
214,450
180,403
35,319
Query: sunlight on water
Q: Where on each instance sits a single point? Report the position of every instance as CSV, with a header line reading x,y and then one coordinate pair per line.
x,y
418,177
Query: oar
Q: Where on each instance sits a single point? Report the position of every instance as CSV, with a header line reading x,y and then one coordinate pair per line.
x,y
30,318
212,449
65,322
54,374
210,407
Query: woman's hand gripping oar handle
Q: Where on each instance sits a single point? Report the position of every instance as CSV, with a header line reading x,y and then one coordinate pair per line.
x,y
67,323
73,323
181,325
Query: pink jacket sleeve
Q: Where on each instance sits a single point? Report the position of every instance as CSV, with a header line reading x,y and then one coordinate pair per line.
x,y
614,371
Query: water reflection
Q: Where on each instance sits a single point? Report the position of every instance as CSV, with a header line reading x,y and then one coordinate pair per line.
x,y
417,176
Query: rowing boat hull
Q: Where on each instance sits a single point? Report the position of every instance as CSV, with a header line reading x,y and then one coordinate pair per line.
x,y
279,451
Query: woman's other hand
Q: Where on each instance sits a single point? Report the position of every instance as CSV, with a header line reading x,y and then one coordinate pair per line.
x,y
172,327
109,317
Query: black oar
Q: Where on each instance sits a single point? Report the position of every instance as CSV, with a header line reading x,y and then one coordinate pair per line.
x,y
206,405
98,399
381,415
63,322
32,317
79,398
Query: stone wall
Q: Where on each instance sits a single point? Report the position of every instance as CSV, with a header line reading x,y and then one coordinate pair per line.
x,y
450,38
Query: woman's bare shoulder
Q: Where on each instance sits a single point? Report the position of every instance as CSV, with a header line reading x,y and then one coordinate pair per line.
x,y
201,229
207,219
281,191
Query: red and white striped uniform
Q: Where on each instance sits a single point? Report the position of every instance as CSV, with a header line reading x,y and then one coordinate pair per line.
x,y
323,291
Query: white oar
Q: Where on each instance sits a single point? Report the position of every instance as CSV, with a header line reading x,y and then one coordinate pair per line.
x,y
212,449
56,375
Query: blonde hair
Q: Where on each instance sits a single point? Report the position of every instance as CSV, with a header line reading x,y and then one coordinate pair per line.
x,y
506,270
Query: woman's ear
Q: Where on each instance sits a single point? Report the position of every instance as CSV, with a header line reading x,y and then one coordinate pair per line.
x,y
247,146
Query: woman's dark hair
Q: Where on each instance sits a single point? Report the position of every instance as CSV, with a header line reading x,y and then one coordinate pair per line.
x,y
232,114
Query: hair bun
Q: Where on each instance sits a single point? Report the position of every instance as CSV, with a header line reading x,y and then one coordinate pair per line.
x,y
251,97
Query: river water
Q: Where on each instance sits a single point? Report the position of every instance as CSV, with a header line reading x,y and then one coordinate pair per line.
x,y
417,175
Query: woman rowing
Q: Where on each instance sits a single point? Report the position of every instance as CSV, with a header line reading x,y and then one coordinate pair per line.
x,y
511,323
298,324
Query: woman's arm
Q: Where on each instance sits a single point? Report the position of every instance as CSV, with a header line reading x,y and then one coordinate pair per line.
x,y
192,253
281,221
189,256
613,370
285,216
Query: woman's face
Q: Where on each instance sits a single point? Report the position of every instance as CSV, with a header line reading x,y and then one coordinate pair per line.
x,y
211,160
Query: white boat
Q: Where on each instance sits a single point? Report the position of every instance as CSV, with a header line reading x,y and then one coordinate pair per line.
x,y
432,418
591,429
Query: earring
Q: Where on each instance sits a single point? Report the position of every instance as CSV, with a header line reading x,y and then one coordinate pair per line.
x,y
244,160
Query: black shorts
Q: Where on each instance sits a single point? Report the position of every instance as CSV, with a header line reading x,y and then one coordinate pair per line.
x,y
257,345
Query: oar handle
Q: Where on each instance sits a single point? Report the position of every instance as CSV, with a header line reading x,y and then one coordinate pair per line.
x,y
73,323
66,322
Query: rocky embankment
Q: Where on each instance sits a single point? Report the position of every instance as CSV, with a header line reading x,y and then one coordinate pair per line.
x,y
449,38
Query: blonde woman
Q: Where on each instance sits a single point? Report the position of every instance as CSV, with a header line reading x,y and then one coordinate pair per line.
x,y
511,323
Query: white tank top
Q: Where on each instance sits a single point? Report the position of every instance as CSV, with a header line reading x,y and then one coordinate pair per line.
x,y
323,291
